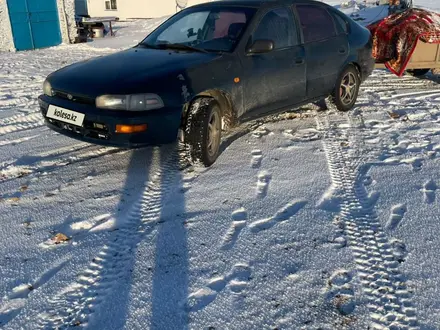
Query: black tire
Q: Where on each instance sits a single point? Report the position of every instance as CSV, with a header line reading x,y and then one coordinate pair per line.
x,y
202,143
418,72
340,99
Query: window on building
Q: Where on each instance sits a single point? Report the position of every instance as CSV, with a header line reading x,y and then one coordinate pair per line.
x,y
111,5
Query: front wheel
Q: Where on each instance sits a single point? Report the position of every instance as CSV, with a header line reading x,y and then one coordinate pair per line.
x,y
203,131
346,89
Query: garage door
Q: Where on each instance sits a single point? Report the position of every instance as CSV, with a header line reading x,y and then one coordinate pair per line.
x,y
34,23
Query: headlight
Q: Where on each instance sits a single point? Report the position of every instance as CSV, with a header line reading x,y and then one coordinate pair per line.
x,y
135,102
47,88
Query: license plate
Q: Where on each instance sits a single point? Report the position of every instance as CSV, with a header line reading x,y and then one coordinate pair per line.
x,y
64,115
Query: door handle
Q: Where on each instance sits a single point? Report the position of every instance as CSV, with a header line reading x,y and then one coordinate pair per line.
x,y
342,51
299,61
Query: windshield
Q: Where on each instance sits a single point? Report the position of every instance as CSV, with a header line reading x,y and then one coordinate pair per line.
x,y
215,29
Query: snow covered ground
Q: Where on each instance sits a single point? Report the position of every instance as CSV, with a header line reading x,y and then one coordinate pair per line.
x,y
309,221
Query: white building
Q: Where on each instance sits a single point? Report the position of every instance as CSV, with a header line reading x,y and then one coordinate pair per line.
x,y
31,24
126,9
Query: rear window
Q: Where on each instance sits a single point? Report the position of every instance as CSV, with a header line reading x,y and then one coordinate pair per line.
x,y
316,23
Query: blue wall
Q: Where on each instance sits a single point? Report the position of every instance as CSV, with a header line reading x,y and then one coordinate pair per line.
x,y
34,23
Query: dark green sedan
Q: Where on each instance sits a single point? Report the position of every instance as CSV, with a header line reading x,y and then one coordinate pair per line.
x,y
207,69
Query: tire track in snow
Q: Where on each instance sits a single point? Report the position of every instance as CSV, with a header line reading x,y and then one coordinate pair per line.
x,y
74,305
389,300
22,118
416,95
25,102
35,121
385,85
382,81
53,160
17,141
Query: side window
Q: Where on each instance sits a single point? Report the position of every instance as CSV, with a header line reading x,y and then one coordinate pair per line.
x,y
341,23
228,21
278,26
316,23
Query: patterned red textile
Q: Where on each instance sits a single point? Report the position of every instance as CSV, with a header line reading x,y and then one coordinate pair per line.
x,y
395,37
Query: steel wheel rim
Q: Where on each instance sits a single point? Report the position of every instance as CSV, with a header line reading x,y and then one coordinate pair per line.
x,y
214,130
348,88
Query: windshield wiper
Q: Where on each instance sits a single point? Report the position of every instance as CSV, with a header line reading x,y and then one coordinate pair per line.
x,y
180,47
145,45
218,51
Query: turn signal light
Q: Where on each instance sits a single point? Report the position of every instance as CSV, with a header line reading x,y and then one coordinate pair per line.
x,y
126,129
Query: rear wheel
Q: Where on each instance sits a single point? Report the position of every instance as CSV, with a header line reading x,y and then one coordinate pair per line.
x,y
203,131
418,72
346,89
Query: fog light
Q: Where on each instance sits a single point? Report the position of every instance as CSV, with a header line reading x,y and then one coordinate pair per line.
x,y
126,129
99,126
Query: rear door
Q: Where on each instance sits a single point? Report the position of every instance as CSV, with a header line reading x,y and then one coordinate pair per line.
x,y
276,79
326,48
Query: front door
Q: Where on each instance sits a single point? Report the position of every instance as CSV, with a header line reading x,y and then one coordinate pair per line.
x,y
275,79
34,23
326,49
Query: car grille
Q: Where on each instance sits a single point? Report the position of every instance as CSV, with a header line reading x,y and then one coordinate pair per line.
x,y
73,98
89,129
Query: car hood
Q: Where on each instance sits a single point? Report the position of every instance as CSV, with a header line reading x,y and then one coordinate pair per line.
x,y
125,72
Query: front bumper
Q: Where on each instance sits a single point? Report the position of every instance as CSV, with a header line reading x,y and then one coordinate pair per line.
x,y
99,126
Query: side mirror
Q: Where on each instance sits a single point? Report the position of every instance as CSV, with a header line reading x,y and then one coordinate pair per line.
x,y
261,46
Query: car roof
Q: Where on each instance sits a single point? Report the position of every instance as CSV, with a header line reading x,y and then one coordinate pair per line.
x,y
254,3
